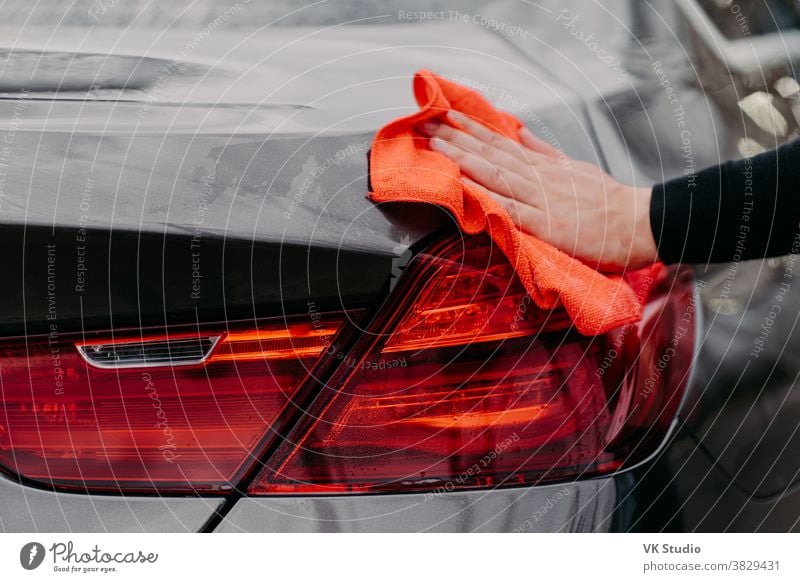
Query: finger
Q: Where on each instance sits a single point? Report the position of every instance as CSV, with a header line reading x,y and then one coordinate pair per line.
x,y
526,218
494,139
485,150
496,178
510,205
532,142
480,188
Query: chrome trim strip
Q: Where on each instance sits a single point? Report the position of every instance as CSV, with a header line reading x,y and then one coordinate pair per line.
x,y
122,365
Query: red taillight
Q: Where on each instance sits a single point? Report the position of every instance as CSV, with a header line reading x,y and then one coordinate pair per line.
x,y
177,412
461,382
472,386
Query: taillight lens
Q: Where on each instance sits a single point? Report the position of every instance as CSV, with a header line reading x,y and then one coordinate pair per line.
x,y
167,413
459,382
471,386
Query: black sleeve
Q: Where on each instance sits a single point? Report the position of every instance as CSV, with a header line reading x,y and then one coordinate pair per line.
x,y
740,210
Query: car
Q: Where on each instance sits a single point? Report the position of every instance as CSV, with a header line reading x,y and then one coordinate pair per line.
x,y
207,326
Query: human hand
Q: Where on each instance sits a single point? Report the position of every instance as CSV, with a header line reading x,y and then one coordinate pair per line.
x,y
573,205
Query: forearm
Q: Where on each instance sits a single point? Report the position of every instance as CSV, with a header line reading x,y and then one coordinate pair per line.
x,y
739,210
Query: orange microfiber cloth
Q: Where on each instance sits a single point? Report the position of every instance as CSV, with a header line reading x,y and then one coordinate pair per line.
x,y
404,169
